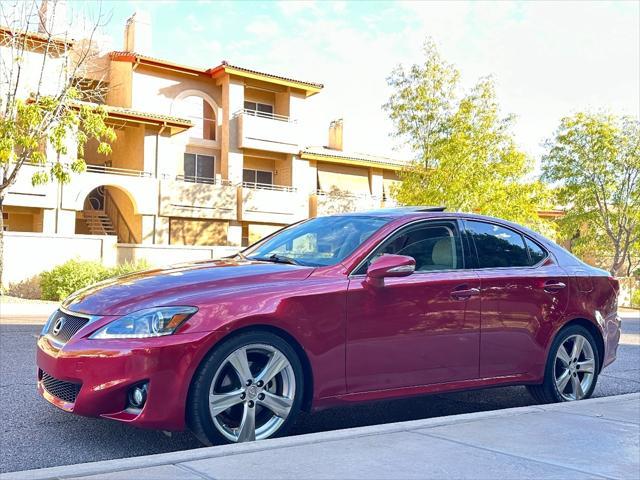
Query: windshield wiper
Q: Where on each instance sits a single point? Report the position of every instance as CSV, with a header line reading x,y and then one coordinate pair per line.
x,y
275,258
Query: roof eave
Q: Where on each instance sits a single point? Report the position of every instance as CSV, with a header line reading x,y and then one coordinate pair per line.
x,y
350,161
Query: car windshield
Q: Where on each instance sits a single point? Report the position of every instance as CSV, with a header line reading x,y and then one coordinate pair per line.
x,y
317,242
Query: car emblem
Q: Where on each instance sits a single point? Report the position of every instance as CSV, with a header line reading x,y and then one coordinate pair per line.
x,y
57,326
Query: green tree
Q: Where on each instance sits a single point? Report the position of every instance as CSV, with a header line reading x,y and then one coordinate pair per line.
x,y
43,99
595,161
467,158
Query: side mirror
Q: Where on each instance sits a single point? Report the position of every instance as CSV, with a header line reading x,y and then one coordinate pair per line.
x,y
389,266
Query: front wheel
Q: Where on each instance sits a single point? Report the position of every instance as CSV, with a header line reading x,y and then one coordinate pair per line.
x,y
572,368
249,388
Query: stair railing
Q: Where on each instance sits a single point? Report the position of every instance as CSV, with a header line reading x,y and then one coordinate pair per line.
x,y
122,228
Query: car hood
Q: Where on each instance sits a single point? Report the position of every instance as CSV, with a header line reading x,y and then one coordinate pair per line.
x,y
185,284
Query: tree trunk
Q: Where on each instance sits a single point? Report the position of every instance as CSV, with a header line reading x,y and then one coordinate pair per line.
x,y
618,268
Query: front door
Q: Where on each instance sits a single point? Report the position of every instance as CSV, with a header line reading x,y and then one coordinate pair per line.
x,y
524,292
416,330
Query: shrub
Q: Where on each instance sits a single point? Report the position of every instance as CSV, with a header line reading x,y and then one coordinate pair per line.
x,y
61,281
635,298
28,288
128,267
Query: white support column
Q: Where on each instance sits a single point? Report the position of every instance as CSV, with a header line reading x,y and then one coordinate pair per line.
x,y
162,230
150,151
234,233
375,179
303,175
49,220
232,102
148,227
66,222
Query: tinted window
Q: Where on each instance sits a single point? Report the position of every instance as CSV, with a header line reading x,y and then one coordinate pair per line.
x,y
498,246
536,251
319,241
434,246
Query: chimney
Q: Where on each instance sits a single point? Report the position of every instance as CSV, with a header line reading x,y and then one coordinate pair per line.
x,y
52,17
137,33
335,134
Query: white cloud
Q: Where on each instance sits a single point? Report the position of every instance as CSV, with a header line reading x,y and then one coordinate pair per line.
x,y
548,60
263,27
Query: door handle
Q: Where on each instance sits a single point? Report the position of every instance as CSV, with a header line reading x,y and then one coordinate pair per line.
x,y
465,293
554,286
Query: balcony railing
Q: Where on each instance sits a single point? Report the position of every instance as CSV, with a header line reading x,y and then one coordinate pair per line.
x,y
117,171
271,116
205,180
353,195
268,186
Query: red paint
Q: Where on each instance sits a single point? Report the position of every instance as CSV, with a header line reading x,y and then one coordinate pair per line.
x,y
363,340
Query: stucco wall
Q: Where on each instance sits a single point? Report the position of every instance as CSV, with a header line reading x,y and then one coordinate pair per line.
x,y
28,254
164,255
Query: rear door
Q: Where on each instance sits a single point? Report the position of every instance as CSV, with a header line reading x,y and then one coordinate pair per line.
x,y
523,293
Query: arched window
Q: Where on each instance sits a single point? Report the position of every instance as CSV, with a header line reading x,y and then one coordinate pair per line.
x,y
202,114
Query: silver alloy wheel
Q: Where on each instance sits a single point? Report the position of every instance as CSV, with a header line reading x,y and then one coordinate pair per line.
x,y
574,368
252,393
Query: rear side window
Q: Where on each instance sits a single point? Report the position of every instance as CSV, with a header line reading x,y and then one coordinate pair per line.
x,y
536,251
498,246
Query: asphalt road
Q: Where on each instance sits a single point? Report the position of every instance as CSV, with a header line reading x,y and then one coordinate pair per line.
x,y
34,434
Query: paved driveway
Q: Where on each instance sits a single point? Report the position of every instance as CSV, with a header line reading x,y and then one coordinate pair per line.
x,y
35,434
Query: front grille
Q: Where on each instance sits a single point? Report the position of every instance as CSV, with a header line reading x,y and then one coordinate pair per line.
x,y
64,326
66,391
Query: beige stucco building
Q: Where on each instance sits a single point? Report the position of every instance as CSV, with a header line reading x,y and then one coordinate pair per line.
x,y
203,156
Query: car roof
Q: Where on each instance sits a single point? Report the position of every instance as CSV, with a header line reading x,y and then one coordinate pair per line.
x,y
417,212
392,212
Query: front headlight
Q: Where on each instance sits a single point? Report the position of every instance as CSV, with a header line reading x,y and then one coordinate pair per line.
x,y
151,322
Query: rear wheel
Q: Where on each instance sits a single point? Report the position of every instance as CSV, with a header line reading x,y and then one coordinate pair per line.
x,y
249,388
572,368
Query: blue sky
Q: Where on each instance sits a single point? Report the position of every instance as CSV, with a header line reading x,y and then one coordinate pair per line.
x,y
549,59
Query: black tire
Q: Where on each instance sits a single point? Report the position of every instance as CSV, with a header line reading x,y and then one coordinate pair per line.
x,y
199,418
547,392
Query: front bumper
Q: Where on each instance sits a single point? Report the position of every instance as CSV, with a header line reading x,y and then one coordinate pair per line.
x,y
107,369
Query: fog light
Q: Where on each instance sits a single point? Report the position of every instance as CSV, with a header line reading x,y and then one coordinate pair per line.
x,y
138,396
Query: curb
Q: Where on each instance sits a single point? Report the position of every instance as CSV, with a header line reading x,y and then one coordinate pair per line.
x,y
116,465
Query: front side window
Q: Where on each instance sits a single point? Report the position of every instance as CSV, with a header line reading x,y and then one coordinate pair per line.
x,y
498,246
199,168
321,241
433,245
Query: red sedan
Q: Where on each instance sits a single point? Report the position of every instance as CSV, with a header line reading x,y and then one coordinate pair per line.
x,y
333,310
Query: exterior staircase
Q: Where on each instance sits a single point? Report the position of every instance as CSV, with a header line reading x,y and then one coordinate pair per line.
x,y
99,223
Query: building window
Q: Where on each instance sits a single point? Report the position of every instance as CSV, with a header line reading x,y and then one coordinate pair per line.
x,y
259,109
201,114
198,168
256,178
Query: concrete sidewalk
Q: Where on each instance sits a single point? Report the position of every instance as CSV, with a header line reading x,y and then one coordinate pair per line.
x,y
597,438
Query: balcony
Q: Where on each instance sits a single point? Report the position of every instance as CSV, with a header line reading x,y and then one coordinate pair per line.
x,y
198,198
271,203
24,194
324,203
140,186
269,132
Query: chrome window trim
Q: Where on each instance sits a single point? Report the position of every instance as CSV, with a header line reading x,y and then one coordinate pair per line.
x,y
91,318
421,220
